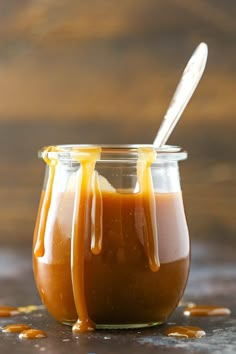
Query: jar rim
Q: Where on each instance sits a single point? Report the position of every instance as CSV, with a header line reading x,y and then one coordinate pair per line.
x,y
112,152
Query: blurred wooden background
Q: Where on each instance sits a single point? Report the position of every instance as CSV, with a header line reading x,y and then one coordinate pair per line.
x,y
104,72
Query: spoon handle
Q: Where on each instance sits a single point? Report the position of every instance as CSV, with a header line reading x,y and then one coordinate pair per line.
x,y
188,82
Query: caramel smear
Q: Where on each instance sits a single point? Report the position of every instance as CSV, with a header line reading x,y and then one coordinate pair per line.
x,y
30,308
206,310
15,328
146,156
185,332
32,334
39,246
81,232
7,311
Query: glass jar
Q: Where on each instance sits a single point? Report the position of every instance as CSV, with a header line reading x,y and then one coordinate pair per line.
x,y
111,243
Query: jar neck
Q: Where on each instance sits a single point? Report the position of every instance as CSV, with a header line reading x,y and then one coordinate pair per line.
x,y
111,153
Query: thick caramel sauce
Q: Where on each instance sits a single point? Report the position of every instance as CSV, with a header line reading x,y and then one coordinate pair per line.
x,y
206,310
96,232
32,334
185,332
80,233
7,311
121,271
15,328
87,220
39,247
146,157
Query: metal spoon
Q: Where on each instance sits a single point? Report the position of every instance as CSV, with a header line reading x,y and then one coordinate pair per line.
x,y
184,91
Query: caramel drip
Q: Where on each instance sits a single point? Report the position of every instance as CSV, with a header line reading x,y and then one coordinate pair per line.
x,y
7,311
206,310
39,246
80,232
15,328
32,334
96,232
185,332
146,157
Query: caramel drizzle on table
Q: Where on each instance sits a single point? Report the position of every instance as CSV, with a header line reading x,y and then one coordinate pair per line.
x,y
39,246
32,333
185,332
15,328
7,311
146,156
206,310
25,331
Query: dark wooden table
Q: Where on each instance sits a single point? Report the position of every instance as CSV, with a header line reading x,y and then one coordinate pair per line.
x,y
212,281
103,72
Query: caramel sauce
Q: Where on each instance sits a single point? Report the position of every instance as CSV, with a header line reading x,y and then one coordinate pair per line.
x,y
185,332
146,157
32,333
15,328
88,221
80,233
97,231
7,311
206,310
39,247
118,279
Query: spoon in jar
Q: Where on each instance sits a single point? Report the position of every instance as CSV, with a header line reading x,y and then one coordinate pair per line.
x,y
184,91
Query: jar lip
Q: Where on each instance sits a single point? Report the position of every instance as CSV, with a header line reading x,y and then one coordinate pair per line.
x,y
112,152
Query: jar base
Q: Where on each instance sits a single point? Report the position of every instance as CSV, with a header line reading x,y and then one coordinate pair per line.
x,y
128,325
121,325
